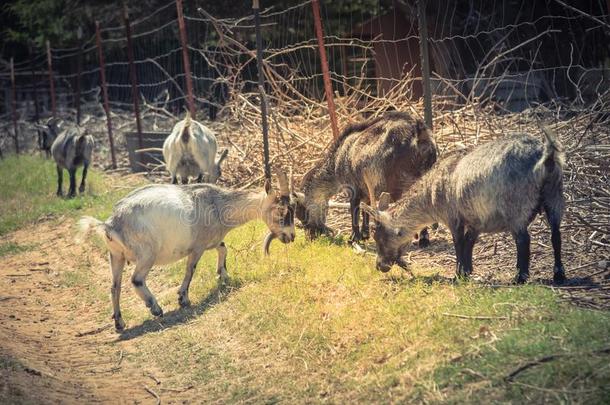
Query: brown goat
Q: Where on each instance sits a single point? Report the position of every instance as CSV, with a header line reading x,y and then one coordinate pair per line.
x,y
387,153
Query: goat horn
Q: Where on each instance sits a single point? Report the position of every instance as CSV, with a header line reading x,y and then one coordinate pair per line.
x,y
284,189
267,243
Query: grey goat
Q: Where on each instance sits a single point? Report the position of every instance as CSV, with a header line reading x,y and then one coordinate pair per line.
x,y
499,186
72,148
387,153
47,133
160,224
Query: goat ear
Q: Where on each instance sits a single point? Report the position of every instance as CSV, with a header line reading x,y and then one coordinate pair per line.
x,y
299,197
421,131
384,201
267,186
283,180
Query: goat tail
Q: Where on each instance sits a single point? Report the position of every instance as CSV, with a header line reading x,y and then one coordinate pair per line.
x,y
86,225
186,129
553,156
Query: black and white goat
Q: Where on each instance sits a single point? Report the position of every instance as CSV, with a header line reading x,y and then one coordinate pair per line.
x,y
71,149
190,151
160,224
499,186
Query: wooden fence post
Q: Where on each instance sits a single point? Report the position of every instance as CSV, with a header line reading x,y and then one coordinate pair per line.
x,y
261,86
132,75
185,59
425,64
100,56
51,81
14,105
328,88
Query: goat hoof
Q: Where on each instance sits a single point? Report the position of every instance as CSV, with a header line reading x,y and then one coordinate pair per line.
x,y
423,242
119,325
156,311
521,278
559,276
59,194
355,237
184,301
81,189
365,235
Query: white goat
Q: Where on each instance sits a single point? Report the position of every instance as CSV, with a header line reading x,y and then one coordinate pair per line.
x,y
160,224
190,150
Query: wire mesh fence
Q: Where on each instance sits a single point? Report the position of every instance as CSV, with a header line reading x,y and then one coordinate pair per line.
x,y
496,67
503,56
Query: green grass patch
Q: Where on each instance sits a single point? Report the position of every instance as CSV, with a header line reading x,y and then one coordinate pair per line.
x,y
12,248
29,184
315,322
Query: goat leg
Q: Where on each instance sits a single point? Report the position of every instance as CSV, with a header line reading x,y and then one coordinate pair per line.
x,y
117,263
191,265
522,240
365,230
60,180
354,206
174,179
221,265
72,191
81,188
424,238
554,218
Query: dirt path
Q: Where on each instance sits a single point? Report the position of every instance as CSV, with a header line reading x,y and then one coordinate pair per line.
x,y
52,347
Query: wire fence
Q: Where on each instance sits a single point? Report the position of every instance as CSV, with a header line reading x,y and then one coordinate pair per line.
x,y
508,56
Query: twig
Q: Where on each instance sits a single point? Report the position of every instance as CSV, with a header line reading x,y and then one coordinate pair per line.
x,y
94,331
479,317
152,377
548,358
154,394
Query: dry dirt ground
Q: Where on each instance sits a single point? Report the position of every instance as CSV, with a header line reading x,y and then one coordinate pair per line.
x,y
52,339
58,347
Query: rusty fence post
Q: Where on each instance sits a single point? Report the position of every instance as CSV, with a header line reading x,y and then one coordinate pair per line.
x,y
34,90
190,101
425,63
328,88
100,56
261,86
51,81
132,75
79,72
14,105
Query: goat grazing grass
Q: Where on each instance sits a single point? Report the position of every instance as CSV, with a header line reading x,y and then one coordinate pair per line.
x,y
314,322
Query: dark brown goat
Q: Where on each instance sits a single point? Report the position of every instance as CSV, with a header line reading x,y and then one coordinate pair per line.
x,y
387,153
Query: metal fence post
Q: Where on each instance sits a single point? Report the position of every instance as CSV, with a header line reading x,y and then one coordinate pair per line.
x,y
425,64
261,84
79,72
185,59
14,105
34,91
51,81
132,75
328,88
100,56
